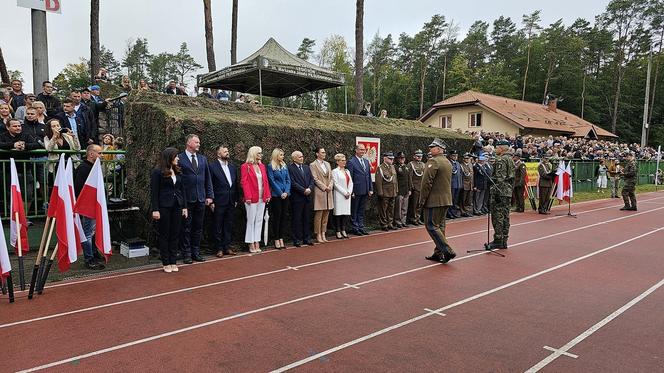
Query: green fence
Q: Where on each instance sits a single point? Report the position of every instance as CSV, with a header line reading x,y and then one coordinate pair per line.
x,y
585,179
37,174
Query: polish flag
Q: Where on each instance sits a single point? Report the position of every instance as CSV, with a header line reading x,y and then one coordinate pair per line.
x,y
5,264
564,179
60,207
80,233
17,208
91,203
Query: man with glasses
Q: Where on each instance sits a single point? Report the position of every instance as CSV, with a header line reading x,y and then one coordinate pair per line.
x,y
52,103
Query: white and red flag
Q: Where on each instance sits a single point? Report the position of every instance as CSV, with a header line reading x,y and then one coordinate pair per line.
x,y
80,233
564,186
60,207
17,209
91,203
5,264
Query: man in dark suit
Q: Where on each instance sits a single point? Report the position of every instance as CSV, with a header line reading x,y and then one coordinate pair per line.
x,y
360,171
198,186
69,119
302,185
225,190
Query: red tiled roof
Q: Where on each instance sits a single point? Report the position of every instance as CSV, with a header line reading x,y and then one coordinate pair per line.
x,y
523,114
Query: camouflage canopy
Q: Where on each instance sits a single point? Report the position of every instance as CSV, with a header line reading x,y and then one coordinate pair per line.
x,y
272,71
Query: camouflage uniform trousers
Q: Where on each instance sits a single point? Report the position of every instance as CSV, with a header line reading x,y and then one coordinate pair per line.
x,y
434,220
500,217
628,194
615,183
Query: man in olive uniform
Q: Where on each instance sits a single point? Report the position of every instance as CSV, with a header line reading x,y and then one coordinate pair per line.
x,y
519,183
387,189
545,169
405,185
501,196
467,185
629,174
436,198
416,172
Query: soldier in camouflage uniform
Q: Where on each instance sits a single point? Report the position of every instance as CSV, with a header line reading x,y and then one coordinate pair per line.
x,y
629,174
501,196
416,172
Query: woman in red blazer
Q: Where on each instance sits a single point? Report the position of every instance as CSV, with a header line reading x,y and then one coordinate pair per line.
x,y
256,190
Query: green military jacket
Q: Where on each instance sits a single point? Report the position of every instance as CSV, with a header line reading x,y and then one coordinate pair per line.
x,y
403,179
630,173
503,175
520,172
386,181
416,173
437,183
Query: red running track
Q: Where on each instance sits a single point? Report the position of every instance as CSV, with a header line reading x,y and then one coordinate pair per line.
x,y
359,305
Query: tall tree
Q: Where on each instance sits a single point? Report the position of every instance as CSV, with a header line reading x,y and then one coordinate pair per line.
x,y
94,38
306,49
555,40
531,25
108,61
427,44
4,75
184,63
234,33
359,55
209,37
136,59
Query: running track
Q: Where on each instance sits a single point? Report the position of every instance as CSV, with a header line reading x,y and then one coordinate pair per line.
x,y
581,294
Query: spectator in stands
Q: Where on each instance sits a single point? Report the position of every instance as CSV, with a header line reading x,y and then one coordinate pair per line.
x,y
366,110
256,189
58,138
41,112
5,97
143,85
102,75
17,98
197,183
205,93
302,186
18,143
323,203
33,127
95,93
343,189
107,145
28,101
69,119
52,103
5,116
226,195
382,114
169,206
280,187
172,88
223,95
95,108
126,84
81,174
86,115
241,98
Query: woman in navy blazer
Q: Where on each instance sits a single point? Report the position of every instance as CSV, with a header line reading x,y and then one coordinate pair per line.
x,y
256,190
280,185
169,205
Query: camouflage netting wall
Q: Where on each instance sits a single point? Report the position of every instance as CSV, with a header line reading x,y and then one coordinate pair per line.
x,y
155,121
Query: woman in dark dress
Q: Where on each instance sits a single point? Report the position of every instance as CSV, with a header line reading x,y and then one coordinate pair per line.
x,y
168,206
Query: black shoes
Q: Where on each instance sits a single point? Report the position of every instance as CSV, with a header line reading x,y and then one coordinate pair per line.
x,y
94,266
447,257
198,258
434,258
625,208
297,244
309,242
187,261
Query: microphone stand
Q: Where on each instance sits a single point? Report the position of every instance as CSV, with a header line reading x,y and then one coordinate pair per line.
x,y
488,220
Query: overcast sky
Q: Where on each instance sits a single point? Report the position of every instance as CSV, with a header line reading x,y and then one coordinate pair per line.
x,y
167,23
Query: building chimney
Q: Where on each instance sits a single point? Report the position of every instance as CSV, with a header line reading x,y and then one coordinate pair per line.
x,y
552,105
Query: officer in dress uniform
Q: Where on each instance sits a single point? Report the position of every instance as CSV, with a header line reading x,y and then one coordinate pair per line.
x,y
467,185
629,174
405,185
436,198
416,172
519,183
545,170
387,189
501,196
457,184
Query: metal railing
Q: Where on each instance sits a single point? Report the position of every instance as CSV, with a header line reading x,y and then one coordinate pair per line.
x,y
36,175
585,179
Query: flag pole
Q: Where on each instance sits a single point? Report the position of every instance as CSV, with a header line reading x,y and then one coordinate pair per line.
x,y
21,265
44,257
10,287
3,286
35,269
40,289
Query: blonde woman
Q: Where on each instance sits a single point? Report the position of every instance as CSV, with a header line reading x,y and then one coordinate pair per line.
x,y
343,189
280,185
5,116
41,111
256,190
322,173
126,83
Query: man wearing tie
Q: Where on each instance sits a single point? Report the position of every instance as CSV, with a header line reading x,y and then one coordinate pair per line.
x,y
360,171
198,185
302,186
225,190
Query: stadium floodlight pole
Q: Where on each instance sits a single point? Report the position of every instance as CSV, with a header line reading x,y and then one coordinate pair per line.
x,y
39,49
644,128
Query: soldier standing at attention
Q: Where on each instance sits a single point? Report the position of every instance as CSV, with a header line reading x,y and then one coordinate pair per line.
x,y
416,172
519,183
467,185
629,174
501,196
405,185
436,198
387,190
545,168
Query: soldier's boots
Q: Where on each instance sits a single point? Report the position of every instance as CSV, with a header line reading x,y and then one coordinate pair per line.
x,y
496,245
447,255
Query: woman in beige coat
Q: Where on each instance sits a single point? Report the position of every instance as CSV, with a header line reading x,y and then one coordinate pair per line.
x,y
322,173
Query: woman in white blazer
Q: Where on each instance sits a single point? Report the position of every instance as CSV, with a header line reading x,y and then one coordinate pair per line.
x,y
343,188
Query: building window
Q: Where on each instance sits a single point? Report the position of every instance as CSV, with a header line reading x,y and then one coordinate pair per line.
x,y
475,120
446,121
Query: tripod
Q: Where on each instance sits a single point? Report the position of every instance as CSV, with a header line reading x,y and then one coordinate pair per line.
x,y
488,220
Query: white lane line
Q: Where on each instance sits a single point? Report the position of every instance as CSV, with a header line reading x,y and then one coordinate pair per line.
x,y
158,295
434,312
351,286
455,304
563,350
557,350
113,276
292,268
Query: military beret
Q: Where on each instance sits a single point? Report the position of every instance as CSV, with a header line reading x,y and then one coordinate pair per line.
x,y
388,154
438,143
502,142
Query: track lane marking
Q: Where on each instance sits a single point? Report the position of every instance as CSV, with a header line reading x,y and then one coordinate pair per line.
x,y
588,332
